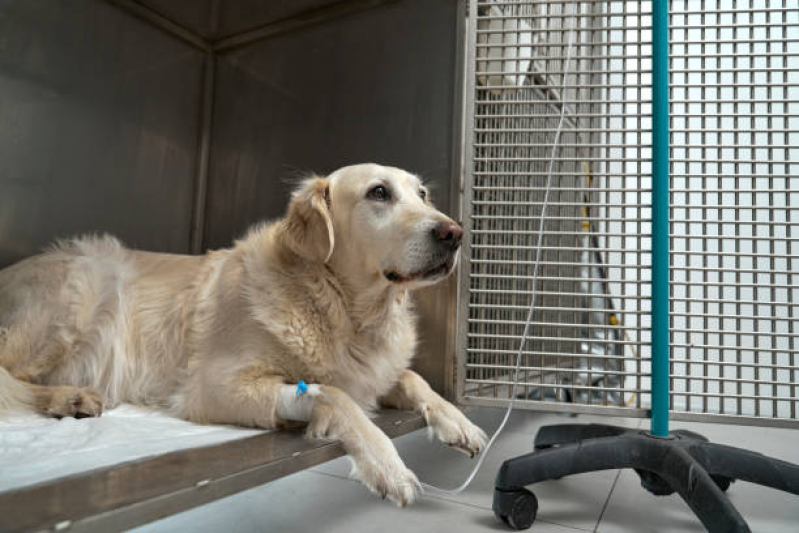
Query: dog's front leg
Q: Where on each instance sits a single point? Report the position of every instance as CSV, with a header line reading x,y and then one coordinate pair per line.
x,y
334,415
260,399
445,420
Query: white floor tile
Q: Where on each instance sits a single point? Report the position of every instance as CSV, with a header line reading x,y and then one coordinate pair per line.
x,y
324,499
576,501
312,502
631,508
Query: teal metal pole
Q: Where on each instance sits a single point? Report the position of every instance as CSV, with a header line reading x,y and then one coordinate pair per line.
x,y
660,218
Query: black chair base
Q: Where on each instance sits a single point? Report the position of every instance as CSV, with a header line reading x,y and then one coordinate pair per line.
x,y
685,463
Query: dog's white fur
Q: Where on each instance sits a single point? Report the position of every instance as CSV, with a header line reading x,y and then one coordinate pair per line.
x,y
320,295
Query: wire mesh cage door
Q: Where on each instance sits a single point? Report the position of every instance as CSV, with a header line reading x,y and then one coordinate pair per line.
x,y
734,196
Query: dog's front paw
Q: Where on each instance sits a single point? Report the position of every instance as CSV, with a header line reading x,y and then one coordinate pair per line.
x,y
387,477
74,401
452,428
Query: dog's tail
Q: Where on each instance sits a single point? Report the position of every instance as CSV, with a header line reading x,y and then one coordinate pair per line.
x,y
14,395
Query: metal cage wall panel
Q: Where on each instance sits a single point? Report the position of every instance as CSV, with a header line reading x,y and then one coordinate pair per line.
x,y
115,116
175,125
734,101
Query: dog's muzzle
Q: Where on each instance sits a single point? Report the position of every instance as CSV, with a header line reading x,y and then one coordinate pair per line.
x,y
447,237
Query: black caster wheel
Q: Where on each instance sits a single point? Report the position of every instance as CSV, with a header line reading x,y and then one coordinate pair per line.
x,y
654,483
723,482
516,508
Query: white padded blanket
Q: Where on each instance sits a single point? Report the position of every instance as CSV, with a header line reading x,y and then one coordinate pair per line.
x,y
34,449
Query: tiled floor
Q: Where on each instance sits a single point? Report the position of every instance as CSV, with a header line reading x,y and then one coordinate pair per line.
x,y
324,499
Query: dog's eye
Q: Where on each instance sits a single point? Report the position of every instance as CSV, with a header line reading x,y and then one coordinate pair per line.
x,y
423,194
379,193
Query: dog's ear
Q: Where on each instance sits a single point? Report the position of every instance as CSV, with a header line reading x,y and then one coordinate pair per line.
x,y
307,229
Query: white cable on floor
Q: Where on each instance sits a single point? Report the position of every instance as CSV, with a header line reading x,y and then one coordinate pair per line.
x,y
430,489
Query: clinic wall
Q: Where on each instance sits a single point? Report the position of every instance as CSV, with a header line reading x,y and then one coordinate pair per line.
x,y
98,127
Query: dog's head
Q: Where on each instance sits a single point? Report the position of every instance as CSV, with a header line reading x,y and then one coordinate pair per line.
x,y
373,223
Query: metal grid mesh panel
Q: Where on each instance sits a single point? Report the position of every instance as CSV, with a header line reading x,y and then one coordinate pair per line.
x,y
735,207
734,176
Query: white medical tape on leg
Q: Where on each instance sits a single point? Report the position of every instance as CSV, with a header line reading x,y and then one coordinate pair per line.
x,y
295,403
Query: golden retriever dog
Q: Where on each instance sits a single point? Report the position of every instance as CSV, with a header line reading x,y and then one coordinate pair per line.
x,y
321,295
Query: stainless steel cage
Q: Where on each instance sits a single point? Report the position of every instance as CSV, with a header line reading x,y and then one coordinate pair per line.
x,y
175,126
734,196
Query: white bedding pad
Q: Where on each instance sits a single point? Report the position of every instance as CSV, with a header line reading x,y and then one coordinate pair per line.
x,y
34,449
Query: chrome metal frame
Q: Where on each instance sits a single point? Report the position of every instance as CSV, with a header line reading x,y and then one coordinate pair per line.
x,y
197,245
461,340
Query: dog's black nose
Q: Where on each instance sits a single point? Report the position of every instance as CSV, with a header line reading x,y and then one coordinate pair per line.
x,y
448,233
